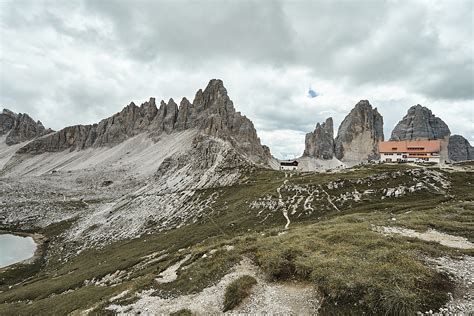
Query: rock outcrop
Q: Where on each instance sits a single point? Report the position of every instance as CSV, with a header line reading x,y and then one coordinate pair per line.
x,y
211,113
320,143
420,123
20,127
7,121
359,134
460,149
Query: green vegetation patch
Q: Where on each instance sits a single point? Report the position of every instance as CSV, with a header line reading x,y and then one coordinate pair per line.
x,y
182,312
356,268
237,291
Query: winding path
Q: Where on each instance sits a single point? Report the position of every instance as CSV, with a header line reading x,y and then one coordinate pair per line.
x,y
282,205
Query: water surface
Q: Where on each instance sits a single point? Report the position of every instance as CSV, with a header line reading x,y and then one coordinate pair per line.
x,y
15,248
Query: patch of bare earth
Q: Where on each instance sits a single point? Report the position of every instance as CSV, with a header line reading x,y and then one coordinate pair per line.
x,y
266,297
429,235
462,273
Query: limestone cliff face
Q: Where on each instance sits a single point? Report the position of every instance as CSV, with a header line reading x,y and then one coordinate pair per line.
x,y
7,121
420,123
211,113
460,149
20,127
320,143
359,134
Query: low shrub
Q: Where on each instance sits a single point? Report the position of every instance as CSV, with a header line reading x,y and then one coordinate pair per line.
x,y
182,312
237,290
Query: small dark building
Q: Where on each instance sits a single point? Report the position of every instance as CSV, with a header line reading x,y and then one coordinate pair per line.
x,y
289,165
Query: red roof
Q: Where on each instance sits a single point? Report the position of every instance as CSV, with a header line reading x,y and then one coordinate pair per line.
x,y
407,146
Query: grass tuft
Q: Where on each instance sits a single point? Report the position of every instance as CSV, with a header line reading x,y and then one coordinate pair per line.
x,y
238,290
182,312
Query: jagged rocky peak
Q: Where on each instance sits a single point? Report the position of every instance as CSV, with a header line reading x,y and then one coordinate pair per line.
x,y
211,113
320,143
217,117
20,127
460,149
7,121
359,134
185,111
215,98
420,123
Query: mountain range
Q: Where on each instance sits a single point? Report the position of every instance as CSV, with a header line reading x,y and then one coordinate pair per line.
x,y
176,209
212,114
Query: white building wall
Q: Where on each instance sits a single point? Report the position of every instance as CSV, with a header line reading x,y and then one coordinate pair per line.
x,y
288,168
404,157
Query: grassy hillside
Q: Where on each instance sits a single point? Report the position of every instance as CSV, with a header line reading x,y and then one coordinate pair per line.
x,y
330,242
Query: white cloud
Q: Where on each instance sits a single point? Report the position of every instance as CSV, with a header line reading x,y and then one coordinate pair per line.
x,y
77,62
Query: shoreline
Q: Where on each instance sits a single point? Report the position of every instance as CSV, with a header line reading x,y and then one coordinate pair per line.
x,y
38,239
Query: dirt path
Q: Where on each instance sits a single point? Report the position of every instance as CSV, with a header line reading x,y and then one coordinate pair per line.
x,y
282,205
429,235
329,199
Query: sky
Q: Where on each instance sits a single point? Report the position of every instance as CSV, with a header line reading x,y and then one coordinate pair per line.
x,y
286,64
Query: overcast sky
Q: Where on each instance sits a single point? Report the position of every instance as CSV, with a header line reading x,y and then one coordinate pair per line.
x,y
76,62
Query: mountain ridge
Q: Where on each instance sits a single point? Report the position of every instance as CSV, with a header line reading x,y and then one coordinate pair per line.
x,y
212,113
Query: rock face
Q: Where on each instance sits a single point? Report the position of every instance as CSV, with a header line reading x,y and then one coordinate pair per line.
x,y
420,123
211,113
7,121
320,143
460,149
20,127
359,134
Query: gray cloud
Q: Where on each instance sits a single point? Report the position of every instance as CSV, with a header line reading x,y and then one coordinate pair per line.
x,y
69,62
198,30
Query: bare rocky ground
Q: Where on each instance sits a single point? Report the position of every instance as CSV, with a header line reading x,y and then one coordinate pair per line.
x,y
462,272
430,235
266,298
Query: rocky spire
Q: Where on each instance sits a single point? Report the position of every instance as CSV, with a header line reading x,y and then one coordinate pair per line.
x,y
185,113
171,115
20,127
359,134
320,143
7,121
420,123
215,99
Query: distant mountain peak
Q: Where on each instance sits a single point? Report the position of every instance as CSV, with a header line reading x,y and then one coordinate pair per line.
x,y
20,127
212,113
420,123
359,133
